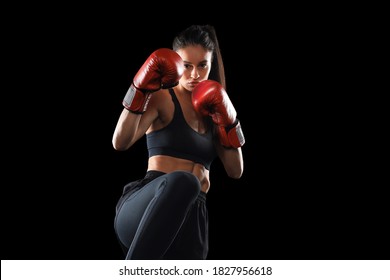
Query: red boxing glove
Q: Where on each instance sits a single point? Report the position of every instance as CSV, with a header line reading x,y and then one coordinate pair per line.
x,y
163,69
210,99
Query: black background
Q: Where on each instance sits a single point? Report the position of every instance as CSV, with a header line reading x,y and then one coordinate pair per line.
x,y
307,192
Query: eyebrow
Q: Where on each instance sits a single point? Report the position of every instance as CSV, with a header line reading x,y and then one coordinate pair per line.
x,y
203,61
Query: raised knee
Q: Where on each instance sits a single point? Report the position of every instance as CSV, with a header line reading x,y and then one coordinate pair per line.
x,y
185,181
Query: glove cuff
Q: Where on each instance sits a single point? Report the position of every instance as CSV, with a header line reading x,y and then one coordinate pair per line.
x,y
135,100
232,136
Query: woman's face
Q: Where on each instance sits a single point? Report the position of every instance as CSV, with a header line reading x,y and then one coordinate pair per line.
x,y
197,65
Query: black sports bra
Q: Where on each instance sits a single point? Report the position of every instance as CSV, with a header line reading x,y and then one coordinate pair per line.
x,y
179,140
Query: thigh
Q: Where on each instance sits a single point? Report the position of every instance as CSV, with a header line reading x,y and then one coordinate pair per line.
x,y
132,209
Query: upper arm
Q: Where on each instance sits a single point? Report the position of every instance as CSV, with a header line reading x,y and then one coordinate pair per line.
x,y
147,119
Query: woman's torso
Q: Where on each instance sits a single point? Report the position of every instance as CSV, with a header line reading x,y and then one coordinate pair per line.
x,y
167,163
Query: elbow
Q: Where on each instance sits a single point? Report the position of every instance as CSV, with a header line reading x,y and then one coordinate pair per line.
x,y
235,170
235,174
119,146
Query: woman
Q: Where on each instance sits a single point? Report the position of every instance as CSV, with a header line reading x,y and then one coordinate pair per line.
x,y
178,100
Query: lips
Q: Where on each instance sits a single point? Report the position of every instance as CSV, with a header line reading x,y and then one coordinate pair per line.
x,y
193,83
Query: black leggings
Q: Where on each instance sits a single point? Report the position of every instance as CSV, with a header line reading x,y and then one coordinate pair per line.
x,y
163,216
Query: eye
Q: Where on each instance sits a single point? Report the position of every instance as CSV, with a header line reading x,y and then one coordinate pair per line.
x,y
203,65
187,66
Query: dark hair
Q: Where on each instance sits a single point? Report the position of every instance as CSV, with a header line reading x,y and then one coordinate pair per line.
x,y
205,36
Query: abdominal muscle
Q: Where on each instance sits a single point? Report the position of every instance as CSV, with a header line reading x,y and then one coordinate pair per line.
x,y
169,164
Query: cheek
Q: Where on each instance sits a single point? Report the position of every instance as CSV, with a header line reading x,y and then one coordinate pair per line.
x,y
205,73
185,77
186,74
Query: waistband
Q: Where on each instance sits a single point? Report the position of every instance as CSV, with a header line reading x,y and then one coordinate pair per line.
x,y
153,174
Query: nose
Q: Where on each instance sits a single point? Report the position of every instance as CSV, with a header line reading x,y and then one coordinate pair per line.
x,y
195,74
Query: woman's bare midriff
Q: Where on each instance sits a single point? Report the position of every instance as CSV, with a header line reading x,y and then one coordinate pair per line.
x,y
169,164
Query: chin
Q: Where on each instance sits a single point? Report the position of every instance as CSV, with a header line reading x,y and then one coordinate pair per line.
x,y
189,88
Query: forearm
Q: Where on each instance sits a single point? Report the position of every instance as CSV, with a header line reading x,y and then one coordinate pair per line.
x,y
232,161
125,130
